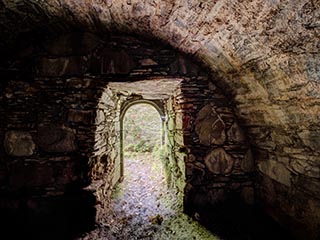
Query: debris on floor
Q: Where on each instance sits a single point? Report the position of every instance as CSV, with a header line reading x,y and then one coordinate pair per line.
x,y
144,208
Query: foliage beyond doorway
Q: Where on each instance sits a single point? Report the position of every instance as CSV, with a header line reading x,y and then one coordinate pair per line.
x,y
142,128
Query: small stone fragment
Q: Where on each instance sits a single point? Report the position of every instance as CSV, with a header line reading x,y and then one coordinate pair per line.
x,y
158,219
147,62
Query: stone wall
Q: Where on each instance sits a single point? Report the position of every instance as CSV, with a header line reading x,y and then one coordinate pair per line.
x,y
47,136
60,127
105,157
211,152
175,165
50,117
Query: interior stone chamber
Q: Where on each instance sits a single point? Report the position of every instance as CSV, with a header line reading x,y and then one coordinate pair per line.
x,y
240,110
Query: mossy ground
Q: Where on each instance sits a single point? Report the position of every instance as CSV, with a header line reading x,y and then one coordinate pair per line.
x,y
144,208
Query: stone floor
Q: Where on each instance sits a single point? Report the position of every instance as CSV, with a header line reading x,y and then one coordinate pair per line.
x,y
144,208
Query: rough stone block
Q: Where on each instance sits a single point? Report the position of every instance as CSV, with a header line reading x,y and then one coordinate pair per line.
x,y
117,62
67,172
276,171
80,116
184,66
218,161
305,168
195,168
19,144
310,138
56,67
55,138
210,127
179,121
236,134
307,184
65,45
247,163
100,117
147,62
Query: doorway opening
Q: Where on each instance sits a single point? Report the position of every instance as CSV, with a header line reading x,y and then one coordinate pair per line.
x,y
143,198
143,144
143,205
142,127
142,202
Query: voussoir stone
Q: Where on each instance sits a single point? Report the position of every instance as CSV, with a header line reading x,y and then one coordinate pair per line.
x,y
19,144
305,168
310,138
55,138
210,127
218,161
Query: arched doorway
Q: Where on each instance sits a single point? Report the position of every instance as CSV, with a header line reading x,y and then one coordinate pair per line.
x,y
142,204
154,105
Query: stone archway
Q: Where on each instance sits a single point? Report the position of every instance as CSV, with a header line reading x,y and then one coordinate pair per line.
x,y
157,105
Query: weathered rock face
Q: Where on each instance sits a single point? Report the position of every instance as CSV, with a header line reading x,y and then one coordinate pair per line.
x,y
265,55
53,138
19,144
276,171
219,162
236,134
209,127
205,167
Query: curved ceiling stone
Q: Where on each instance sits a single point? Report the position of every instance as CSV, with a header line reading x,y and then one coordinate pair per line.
x,y
265,53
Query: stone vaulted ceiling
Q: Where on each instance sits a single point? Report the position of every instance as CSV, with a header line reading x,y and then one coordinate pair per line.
x,y
265,54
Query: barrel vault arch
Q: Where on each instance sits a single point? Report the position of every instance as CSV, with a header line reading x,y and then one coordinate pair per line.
x,y
272,79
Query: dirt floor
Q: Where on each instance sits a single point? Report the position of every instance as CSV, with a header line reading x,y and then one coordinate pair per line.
x,y
144,208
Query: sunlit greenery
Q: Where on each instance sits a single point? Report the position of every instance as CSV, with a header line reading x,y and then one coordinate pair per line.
x,y
142,129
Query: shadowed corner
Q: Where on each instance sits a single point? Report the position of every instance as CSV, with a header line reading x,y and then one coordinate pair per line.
x,y
233,219
55,217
